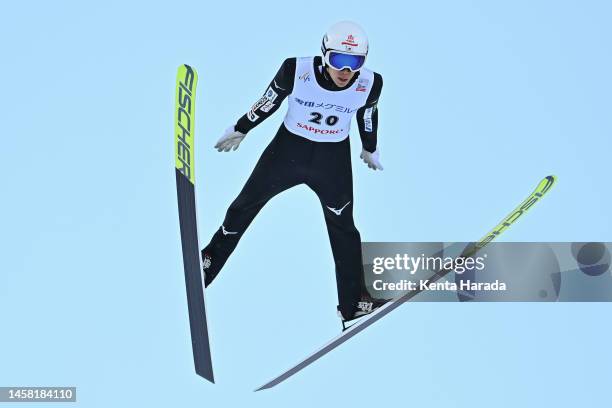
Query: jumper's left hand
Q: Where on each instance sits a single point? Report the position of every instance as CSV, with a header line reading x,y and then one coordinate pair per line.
x,y
371,159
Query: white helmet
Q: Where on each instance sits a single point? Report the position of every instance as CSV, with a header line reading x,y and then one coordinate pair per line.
x,y
345,45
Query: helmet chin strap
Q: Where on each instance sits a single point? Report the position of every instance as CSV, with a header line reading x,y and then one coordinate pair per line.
x,y
326,72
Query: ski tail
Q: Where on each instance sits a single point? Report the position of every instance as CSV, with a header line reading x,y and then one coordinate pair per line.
x,y
543,187
186,82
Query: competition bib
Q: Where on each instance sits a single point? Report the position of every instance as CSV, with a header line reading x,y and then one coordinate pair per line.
x,y
321,115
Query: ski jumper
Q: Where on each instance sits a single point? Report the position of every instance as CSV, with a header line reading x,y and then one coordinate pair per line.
x,y
311,147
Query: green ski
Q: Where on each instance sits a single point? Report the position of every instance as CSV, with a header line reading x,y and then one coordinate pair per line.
x,y
184,116
542,188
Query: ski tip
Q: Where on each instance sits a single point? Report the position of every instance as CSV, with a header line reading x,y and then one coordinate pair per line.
x,y
546,184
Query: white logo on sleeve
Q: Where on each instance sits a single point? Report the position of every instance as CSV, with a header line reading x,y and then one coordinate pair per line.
x,y
270,94
276,85
226,232
367,119
338,212
252,116
266,108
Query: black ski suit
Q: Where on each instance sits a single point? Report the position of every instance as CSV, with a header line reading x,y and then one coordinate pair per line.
x,y
290,160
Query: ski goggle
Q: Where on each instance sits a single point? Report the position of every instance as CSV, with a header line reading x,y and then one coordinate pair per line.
x,y
340,61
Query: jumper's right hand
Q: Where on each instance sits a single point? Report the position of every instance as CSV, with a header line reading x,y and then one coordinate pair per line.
x,y
371,159
230,140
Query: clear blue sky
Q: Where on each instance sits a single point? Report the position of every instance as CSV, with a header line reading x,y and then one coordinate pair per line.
x,y
481,100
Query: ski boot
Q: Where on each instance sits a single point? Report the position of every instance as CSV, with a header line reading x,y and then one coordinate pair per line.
x,y
364,307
